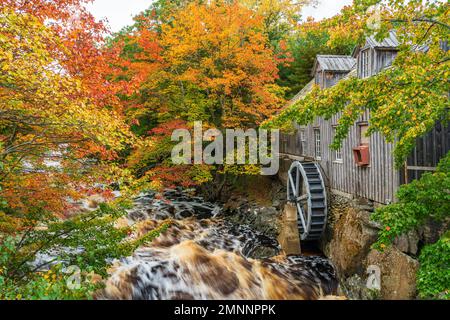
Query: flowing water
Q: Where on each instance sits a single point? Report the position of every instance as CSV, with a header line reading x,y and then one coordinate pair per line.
x,y
203,256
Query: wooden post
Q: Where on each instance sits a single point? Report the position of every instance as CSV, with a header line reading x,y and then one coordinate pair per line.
x,y
406,172
289,237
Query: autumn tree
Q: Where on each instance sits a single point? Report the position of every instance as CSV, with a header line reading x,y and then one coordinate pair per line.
x,y
85,56
44,112
201,61
61,135
219,52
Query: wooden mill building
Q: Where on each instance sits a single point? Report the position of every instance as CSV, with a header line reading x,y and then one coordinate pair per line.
x,y
364,167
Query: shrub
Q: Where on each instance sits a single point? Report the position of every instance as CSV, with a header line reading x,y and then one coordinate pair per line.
x,y
433,278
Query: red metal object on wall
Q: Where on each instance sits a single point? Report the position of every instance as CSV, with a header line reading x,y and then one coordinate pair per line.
x,y
362,155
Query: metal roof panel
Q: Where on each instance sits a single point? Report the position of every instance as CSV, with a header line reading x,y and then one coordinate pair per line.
x,y
336,62
390,42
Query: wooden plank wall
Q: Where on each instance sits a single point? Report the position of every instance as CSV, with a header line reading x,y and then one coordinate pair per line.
x,y
427,153
331,78
380,180
377,182
290,144
378,60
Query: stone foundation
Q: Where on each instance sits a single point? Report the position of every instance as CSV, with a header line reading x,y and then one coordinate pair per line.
x,y
347,242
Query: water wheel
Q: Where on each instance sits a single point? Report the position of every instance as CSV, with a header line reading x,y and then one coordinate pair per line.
x,y
306,189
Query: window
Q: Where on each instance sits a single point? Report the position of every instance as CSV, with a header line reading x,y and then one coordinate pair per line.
x,y
362,128
317,149
303,140
319,79
337,153
385,59
364,60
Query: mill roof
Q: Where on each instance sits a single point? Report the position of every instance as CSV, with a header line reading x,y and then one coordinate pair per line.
x,y
390,41
338,63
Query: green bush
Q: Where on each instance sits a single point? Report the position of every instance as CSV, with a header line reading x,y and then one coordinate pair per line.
x,y
418,202
433,278
88,242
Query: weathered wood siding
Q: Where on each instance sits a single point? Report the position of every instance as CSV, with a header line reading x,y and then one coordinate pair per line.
x,y
331,78
380,180
291,144
326,79
371,61
377,182
427,153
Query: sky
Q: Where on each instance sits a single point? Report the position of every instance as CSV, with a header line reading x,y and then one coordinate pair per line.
x,y
325,9
119,13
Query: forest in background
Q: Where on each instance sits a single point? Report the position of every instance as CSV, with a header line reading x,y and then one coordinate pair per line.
x,y
86,112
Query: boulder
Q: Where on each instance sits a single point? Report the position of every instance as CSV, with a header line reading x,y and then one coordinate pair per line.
x,y
398,273
262,219
350,236
355,288
433,230
263,252
266,221
408,243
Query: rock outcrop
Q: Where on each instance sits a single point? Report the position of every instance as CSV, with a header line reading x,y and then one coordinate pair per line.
x,y
349,236
348,240
398,273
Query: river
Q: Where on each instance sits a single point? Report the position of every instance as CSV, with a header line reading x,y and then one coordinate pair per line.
x,y
205,256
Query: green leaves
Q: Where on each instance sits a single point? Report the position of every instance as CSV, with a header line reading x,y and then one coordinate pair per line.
x,y
88,241
50,285
433,278
405,100
419,201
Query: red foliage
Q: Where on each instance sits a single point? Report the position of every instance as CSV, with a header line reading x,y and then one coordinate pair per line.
x,y
87,57
166,129
171,177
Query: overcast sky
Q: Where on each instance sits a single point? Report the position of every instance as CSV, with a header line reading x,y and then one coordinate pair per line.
x,y
119,13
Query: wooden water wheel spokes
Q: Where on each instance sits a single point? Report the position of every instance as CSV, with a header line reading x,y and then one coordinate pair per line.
x,y
306,189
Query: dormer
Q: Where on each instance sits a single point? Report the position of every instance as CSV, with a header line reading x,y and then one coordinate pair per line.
x,y
329,69
376,55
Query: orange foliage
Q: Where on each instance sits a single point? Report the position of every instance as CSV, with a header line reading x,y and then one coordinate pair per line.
x,y
221,49
85,55
210,61
52,104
